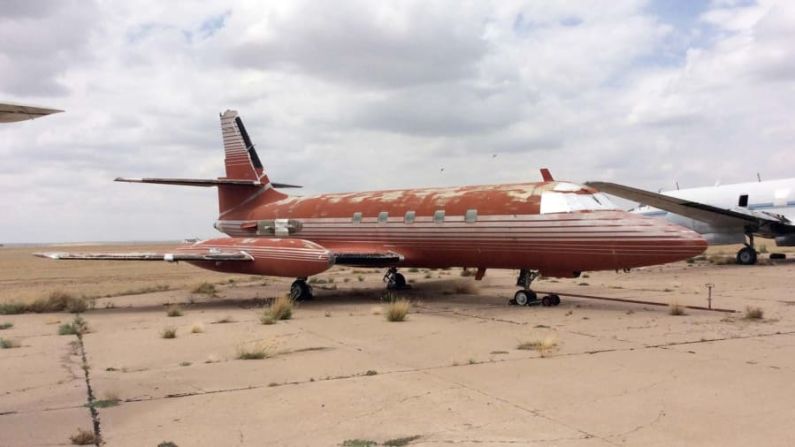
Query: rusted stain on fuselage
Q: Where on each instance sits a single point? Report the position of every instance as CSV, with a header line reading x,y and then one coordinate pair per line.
x,y
521,198
509,230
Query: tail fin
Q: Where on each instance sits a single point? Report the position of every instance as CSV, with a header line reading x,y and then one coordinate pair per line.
x,y
242,163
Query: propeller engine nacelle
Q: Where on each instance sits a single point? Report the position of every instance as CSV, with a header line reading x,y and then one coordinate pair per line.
x,y
293,258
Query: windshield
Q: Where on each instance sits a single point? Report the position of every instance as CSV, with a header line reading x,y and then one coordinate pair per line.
x,y
567,202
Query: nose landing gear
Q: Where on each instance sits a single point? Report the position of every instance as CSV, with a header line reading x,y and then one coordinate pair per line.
x,y
526,297
394,280
300,290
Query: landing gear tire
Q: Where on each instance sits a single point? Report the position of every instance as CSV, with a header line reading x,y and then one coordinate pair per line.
x,y
555,299
746,256
546,301
524,297
396,281
300,291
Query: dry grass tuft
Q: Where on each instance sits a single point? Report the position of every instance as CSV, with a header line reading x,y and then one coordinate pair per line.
x,y
12,308
197,328
255,351
543,346
754,313
400,442
57,301
397,310
206,288
169,332
9,344
721,260
359,443
676,309
111,399
83,437
174,311
6,325
224,320
466,288
78,326
280,309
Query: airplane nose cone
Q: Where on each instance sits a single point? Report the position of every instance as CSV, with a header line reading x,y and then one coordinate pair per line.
x,y
678,243
651,241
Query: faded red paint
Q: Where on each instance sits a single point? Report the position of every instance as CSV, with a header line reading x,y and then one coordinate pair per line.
x,y
272,257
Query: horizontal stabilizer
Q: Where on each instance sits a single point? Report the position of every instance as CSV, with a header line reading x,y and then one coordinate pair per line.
x,y
168,257
201,182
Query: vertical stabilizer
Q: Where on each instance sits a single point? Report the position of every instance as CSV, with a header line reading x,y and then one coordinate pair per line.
x,y
243,163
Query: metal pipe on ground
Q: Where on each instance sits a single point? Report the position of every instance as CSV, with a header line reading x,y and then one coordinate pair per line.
x,y
623,300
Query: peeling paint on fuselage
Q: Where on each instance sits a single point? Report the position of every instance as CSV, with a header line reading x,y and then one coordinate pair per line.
x,y
521,198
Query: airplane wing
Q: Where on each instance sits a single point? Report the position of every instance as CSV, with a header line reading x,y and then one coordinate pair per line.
x,y
210,255
10,113
721,217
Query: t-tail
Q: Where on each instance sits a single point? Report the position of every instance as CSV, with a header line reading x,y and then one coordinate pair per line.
x,y
245,186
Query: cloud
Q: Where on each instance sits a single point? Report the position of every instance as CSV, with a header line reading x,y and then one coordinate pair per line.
x,y
40,41
356,95
363,42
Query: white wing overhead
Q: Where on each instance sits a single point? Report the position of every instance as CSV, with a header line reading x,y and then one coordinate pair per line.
x,y
10,113
738,217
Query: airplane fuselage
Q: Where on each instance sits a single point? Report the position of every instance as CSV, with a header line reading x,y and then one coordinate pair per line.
x,y
558,228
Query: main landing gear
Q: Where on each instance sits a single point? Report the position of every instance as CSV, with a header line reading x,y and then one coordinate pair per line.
x,y
526,297
747,254
394,280
300,290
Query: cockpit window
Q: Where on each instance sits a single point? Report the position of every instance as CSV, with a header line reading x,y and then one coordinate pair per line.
x,y
565,202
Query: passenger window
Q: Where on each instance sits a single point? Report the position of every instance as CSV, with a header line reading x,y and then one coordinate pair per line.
x,y
438,216
357,217
471,216
383,216
410,216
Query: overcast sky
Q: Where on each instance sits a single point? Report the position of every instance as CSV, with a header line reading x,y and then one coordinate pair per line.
x,y
357,95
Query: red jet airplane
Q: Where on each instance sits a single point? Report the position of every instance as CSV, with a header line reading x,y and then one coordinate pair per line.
x,y
548,228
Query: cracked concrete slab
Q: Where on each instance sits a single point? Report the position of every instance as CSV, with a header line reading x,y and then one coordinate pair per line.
x,y
616,373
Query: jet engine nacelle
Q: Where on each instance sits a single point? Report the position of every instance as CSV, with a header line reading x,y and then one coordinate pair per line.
x,y
293,258
788,240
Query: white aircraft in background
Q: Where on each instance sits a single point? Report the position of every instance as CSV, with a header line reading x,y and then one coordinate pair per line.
x,y
723,214
10,113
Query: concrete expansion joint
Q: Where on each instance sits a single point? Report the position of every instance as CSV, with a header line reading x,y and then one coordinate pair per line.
x,y
90,397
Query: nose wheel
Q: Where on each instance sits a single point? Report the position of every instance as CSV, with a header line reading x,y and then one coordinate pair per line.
x,y
394,280
300,290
